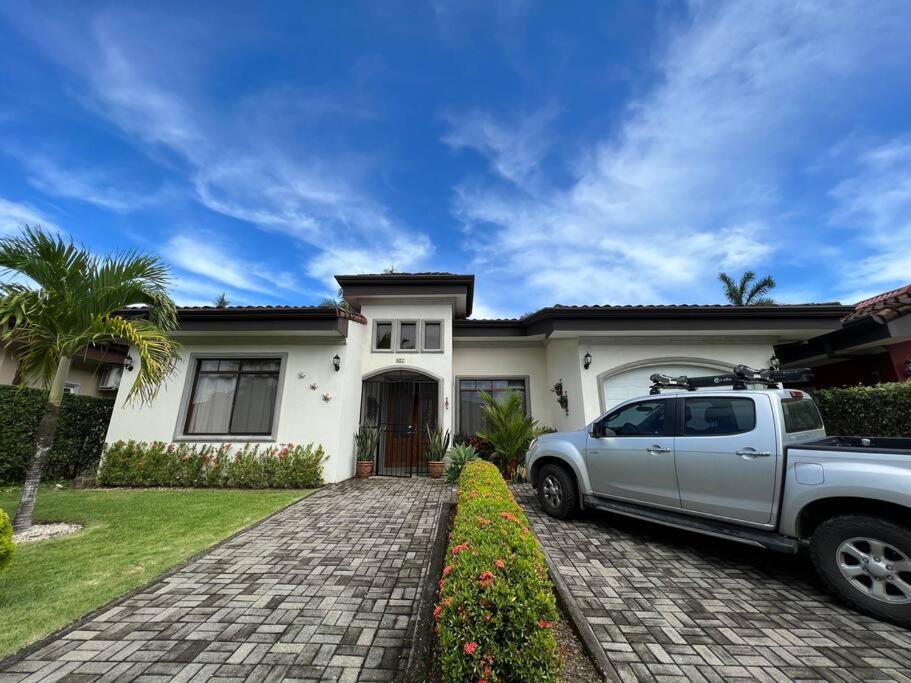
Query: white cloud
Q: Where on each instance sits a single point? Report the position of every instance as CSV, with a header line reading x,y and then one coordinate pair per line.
x,y
203,256
515,150
14,216
244,158
875,205
692,180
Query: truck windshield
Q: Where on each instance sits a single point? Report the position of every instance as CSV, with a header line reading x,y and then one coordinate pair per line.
x,y
800,415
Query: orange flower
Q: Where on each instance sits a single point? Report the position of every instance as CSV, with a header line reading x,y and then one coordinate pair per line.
x,y
500,564
485,579
460,548
469,648
436,611
543,623
447,569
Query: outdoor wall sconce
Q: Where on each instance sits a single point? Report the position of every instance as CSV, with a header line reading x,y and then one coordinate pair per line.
x,y
128,363
587,360
336,362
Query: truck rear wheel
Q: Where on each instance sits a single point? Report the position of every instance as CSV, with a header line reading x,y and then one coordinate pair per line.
x,y
557,492
866,560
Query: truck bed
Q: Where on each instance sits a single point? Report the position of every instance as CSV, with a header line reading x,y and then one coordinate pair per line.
x,y
871,444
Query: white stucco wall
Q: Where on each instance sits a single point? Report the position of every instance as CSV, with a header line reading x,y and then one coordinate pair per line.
x,y
436,364
485,361
304,417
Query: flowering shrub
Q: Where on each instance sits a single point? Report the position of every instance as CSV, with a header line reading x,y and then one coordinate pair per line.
x,y
139,463
6,540
496,605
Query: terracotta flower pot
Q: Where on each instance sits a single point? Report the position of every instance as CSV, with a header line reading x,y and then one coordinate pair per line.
x,y
436,468
364,468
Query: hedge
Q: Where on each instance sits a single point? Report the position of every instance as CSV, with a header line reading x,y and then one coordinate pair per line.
x,y
156,463
6,540
496,609
881,410
78,442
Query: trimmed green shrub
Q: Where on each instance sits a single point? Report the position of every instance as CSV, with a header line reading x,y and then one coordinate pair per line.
x,y
496,609
81,429
156,463
881,410
6,540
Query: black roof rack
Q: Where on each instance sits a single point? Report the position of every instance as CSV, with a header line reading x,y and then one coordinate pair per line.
x,y
743,375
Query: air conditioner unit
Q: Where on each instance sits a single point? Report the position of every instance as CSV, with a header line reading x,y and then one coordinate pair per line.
x,y
110,378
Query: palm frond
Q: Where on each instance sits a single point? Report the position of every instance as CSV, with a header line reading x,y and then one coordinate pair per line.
x,y
158,352
759,290
731,292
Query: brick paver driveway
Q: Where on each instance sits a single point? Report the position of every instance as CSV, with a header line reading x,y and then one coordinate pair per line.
x,y
671,604
325,590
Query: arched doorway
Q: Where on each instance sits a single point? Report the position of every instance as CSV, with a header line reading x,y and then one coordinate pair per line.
x,y
401,404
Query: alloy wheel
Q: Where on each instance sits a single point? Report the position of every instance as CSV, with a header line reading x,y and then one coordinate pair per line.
x,y
875,568
553,491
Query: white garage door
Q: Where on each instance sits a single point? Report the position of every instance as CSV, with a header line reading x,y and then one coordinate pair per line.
x,y
633,383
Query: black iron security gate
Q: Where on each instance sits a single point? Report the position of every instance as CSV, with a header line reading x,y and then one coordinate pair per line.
x,y
401,405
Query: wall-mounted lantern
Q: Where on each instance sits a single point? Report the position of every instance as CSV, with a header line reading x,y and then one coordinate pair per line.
x,y
587,360
128,363
336,362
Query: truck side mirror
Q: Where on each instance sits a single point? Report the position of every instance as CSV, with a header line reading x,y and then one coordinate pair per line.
x,y
597,430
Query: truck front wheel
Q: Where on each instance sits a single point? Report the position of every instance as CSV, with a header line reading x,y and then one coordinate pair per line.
x,y
557,492
866,560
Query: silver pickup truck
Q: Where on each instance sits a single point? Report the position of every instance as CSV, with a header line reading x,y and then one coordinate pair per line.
x,y
749,465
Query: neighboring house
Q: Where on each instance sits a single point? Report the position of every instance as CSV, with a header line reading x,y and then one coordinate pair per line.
x,y
94,372
411,357
872,345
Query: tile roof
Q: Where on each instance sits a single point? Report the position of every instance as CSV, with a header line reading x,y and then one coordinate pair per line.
x,y
884,307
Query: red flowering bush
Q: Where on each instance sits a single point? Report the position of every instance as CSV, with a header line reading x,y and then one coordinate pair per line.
x,y
496,603
138,463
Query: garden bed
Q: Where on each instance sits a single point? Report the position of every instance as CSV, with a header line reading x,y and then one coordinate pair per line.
x,y
496,616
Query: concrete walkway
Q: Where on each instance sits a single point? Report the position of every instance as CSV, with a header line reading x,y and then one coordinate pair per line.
x,y
325,590
672,605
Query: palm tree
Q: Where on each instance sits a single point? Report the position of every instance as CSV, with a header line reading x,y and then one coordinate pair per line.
x,y
337,302
508,429
221,301
748,292
76,300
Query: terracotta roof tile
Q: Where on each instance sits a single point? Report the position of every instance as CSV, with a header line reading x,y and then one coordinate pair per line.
x,y
884,307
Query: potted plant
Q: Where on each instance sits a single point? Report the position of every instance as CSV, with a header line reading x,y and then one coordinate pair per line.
x,y
365,440
437,445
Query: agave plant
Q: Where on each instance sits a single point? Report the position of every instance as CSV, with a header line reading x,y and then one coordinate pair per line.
x,y
509,429
437,443
365,440
459,456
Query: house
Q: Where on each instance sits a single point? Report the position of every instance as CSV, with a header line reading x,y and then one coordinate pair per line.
x,y
95,371
872,345
409,356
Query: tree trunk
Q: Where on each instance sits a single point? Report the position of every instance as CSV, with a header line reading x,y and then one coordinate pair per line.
x,y
45,439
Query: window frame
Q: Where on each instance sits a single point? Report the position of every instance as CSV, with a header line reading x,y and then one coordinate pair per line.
x,y
375,337
681,416
482,378
670,422
398,335
193,359
423,335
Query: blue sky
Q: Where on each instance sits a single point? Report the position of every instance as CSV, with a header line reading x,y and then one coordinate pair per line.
x,y
604,152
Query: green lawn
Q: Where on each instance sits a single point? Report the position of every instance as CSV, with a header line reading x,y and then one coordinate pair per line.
x,y
130,537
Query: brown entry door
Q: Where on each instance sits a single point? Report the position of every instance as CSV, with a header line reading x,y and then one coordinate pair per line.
x,y
402,405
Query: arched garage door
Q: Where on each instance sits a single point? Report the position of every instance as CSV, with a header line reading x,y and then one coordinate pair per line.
x,y
626,384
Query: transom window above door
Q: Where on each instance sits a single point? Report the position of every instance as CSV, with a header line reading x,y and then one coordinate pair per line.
x,y
407,336
232,397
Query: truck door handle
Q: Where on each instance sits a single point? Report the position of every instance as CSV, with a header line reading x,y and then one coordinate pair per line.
x,y
750,453
658,450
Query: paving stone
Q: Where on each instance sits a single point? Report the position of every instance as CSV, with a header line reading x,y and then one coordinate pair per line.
x,y
327,589
672,605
